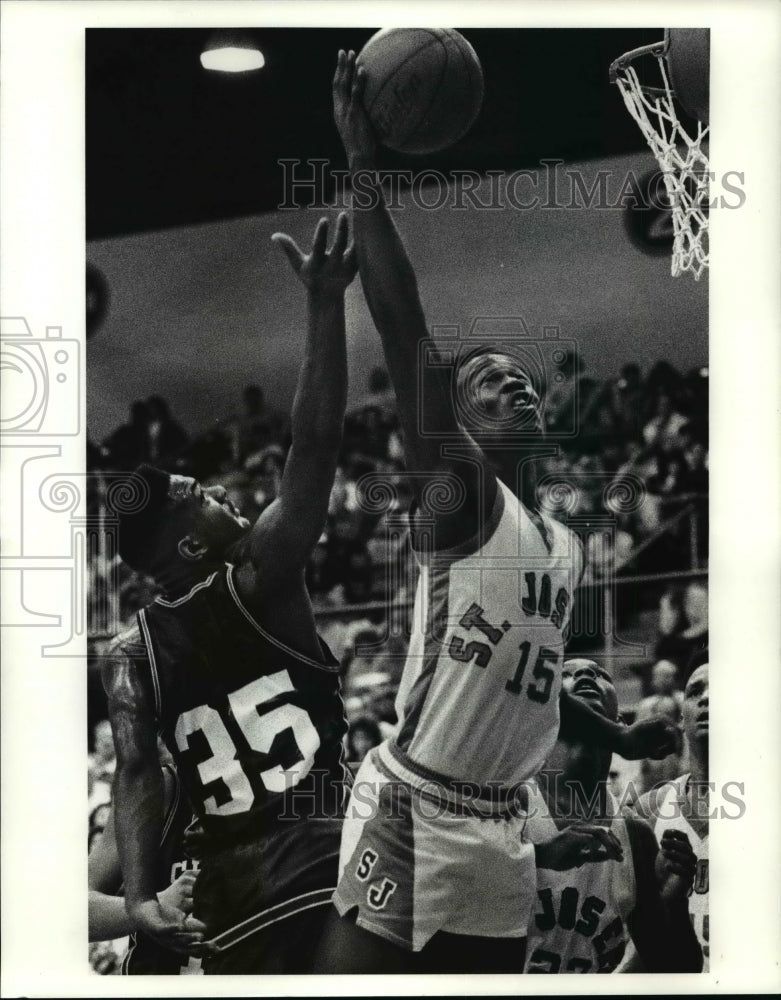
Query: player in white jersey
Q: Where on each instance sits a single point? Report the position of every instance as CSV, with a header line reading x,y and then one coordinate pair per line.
x,y
586,916
479,704
683,804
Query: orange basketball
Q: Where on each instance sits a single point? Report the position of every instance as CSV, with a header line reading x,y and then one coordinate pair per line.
x,y
424,87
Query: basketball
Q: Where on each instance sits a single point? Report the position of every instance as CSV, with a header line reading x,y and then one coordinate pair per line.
x,y
688,56
424,87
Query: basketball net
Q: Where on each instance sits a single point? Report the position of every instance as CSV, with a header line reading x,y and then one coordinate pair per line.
x,y
683,162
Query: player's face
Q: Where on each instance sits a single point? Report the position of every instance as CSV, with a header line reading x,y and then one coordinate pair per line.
x,y
211,518
500,389
696,704
587,680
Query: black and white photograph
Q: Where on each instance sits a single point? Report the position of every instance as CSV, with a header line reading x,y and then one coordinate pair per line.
x,y
380,456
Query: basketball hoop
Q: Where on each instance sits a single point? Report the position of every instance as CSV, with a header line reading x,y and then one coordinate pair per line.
x,y
683,162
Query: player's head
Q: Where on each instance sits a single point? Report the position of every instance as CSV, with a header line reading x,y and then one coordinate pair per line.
x,y
663,677
180,522
586,679
497,391
696,708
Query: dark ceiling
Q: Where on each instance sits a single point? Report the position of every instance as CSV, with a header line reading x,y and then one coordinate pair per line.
x,y
169,144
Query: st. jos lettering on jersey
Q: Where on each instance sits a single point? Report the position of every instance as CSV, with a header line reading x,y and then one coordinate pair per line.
x,y
479,653
566,910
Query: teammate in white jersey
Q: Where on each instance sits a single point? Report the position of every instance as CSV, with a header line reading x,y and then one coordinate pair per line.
x,y
429,882
586,916
683,804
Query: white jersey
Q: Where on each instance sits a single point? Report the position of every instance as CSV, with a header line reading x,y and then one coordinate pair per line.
x,y
580,923
479,699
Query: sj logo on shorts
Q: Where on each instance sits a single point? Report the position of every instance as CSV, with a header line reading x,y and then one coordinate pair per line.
x,y
378,895
365,865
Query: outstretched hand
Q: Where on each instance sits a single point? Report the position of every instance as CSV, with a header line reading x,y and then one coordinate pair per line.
x,y
655,738
676,864
322,271
352,122
170,927
579,844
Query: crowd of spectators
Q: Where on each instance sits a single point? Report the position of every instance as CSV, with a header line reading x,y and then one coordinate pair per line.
x,y
651,432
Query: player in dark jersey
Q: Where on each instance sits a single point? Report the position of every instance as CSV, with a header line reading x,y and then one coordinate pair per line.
x,y
229,666
175,875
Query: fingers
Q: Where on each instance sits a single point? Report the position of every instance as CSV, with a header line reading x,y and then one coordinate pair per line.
x,y
345,74
290,248
320,240
596,844
194,926
609,843
679,857
341,59
359,85
340,240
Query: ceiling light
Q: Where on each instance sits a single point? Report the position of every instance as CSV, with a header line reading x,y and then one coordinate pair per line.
x,y
232,59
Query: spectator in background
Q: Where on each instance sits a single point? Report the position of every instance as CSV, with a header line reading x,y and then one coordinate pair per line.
x,y
102,763
666,699
128,446
695,636
381,395
683,625
627,402
166,439
265,471
210,455
97,821
257,426
363,734
695,455
663,430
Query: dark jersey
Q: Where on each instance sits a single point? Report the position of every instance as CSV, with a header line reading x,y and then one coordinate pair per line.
x,y
144,956
255,728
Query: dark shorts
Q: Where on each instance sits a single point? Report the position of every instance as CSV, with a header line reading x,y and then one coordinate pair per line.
x,y
264,901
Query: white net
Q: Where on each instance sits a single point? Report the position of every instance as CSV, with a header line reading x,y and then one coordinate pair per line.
x,y
681,158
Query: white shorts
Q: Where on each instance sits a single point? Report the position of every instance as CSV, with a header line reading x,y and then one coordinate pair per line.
x,y
412,867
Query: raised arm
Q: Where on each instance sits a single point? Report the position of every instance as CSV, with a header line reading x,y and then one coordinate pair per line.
x,y
391,292
655,738
660,926
139,807
285,534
